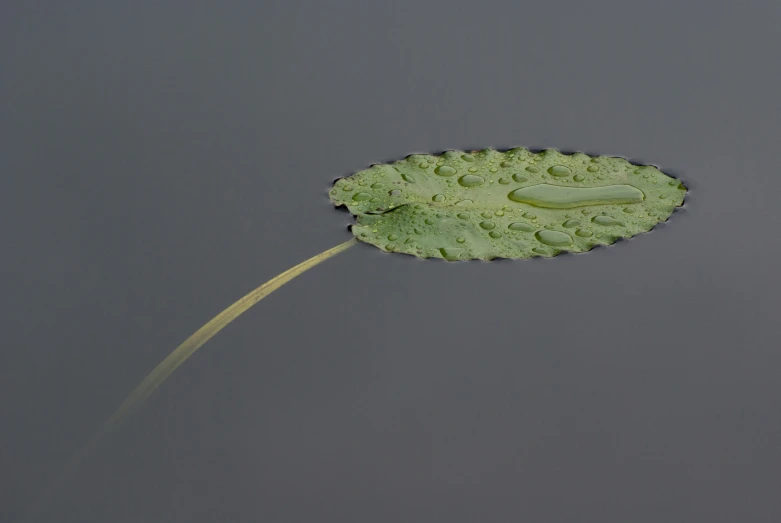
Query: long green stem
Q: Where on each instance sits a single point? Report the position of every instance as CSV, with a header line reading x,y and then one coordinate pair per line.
x,y
205,333
181,354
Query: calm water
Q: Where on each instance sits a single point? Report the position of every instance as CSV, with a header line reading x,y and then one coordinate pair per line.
x,y
159,161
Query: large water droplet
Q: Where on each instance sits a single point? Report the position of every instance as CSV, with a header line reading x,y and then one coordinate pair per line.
x,y
583,233
392,237
362,196
445,170
464,203
438,198
559,197
554,238
559,170
532,169
460,239
571,223
487,225
529,215
467,157
504,181
518,178
607,220
592,168
471,180
429,221
394,192
495,234
506,164
451,253
463,216
407,178
578,177
520,226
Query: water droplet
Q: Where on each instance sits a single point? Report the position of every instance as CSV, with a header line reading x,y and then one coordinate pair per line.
x,y
504,181
578,177
518,178
347,188
532,169
529,215
629,210
407,178
438,198
662,196
463,216
593,168
376,185
506,164
571,223
392,237
460,239
539,250
467,157
607,221
486,214
487,225
493,169
499,213
520,226
445,170
559,197
559,170
472,169
464,203
495,234
394,192
429,221
554,238
583,233
423,165
451,253
470,180
417,231
362,196
390,247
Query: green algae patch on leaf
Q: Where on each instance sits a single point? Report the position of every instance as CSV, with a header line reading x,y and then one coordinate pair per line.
x,y
490,204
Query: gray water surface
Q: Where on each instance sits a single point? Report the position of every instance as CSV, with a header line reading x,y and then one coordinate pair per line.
x,y
160,159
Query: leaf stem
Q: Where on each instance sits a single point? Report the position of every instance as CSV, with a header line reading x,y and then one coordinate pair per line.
x,y
205,333
176,358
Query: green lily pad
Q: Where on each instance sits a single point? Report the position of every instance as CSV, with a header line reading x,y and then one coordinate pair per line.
x,y
514,204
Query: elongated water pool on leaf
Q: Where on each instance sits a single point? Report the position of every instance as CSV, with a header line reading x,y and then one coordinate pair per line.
x,y
515,204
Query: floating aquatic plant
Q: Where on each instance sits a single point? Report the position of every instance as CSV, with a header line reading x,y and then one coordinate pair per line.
x,y
473,205
469,205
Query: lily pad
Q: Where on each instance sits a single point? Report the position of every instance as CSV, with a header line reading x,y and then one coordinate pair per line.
x,y
513,204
